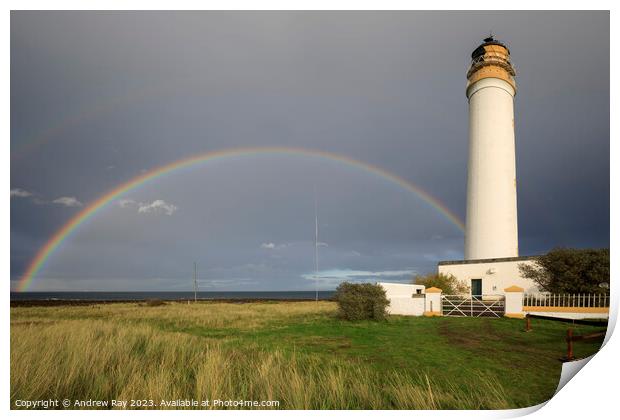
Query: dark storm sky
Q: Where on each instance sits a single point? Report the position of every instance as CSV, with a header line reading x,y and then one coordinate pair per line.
x,y
100,97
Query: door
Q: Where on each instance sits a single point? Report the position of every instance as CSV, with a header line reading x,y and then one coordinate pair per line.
x,y
476,288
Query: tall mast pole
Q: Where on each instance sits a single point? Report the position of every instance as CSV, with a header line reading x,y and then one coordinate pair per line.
x,y
195,283
316,247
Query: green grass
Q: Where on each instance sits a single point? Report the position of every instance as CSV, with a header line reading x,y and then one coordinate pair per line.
x,y
297,353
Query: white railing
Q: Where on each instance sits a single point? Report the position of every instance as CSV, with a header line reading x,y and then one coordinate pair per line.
x,y
567,300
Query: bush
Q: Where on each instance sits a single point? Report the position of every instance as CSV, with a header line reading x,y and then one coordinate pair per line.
x,y
448,284
361,301
569,270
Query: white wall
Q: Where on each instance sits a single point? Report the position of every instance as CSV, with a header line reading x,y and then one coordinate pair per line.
x,y
491,220
572,315
402,299
406,306
496,276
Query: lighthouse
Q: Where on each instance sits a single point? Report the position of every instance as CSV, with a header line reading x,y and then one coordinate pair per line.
x,y
492,260
491,220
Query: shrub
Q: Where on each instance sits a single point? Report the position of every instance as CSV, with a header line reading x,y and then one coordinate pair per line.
x,y
361,301
568,270
448,284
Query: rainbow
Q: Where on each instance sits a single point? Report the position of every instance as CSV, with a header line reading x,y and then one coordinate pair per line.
x,y
92,208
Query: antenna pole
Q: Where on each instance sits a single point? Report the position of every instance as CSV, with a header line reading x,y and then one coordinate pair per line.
x,y
195,284
316,248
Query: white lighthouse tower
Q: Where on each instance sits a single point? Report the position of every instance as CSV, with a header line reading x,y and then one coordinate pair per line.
x,y
492,261
491,223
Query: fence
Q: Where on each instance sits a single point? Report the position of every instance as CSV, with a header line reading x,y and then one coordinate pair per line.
x,y
474,306
514,303
546,300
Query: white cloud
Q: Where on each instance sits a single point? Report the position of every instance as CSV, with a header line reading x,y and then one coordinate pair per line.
x,y
64,201
157,206
335,276
271,245
352,253
126,202
68,201
224,284
18,192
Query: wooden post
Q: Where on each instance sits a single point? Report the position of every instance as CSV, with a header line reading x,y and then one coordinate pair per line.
x,y
569,341
528,323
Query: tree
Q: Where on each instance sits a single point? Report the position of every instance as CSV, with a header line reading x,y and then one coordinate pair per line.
x,y
361,301
568,270
448,284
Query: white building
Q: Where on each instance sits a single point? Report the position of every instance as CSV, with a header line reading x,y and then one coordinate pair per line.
x,y
489,276
491,232
405,299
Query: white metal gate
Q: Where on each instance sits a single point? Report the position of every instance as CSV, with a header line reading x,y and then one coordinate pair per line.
x,y
474,306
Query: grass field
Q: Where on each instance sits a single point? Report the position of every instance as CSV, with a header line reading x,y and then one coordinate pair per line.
x,y
299,354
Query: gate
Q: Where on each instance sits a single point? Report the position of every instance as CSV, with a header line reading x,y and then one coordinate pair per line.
x,y
474,306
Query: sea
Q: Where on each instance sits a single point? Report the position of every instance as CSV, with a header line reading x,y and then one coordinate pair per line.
x,y
283,295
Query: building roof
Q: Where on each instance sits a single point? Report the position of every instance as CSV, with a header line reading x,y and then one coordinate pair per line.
x,y
487,260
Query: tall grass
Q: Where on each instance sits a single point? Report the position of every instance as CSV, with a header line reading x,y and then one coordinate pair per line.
x,y
114,357
178,316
